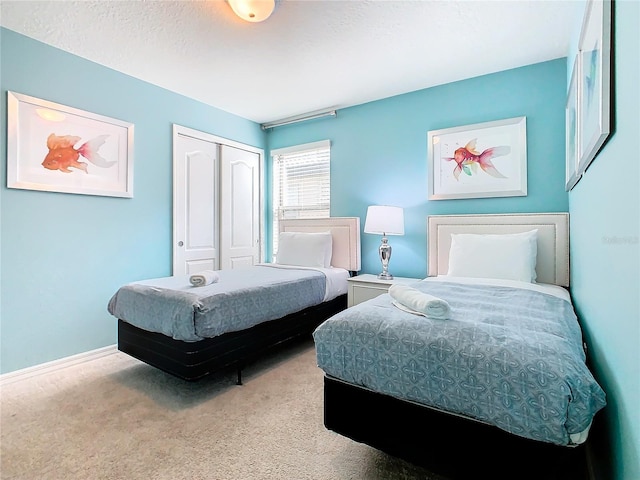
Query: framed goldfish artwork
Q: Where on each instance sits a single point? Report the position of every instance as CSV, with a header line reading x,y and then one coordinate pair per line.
x,y
594,108
56,148
478,161
571,129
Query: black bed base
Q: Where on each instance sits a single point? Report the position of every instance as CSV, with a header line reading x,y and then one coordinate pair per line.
x,y
448,445
194,360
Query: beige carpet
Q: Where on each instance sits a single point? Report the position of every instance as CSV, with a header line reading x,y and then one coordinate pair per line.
x,y
117,418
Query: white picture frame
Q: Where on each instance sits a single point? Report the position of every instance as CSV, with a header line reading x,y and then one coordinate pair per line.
x,y
572,128
594,49
478,161
57,148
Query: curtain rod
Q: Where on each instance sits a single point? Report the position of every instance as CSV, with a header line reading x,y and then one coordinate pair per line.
x,y
299,118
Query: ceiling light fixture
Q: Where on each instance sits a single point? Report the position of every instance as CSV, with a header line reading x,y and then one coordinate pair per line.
x,y
253,10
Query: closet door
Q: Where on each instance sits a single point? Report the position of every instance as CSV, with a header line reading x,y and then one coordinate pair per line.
x,y
217,202
239,207
195,203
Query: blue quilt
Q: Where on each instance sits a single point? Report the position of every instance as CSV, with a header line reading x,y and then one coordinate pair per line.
x,y
509,357
240,299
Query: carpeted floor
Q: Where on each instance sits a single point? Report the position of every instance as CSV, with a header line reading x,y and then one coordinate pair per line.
x,y
117,418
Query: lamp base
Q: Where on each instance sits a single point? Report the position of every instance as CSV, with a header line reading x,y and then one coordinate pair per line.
x,y
384,250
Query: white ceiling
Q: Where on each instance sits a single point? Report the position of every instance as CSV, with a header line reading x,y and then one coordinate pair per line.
x,y
309,55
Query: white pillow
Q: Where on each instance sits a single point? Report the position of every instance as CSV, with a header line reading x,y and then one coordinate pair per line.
x,y
305,249
507,257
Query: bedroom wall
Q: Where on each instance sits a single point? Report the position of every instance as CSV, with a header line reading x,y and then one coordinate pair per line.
x,y
64,255
379,153
605,260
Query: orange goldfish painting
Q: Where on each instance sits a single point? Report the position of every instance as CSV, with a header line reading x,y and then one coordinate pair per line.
x,y
62,154
467,160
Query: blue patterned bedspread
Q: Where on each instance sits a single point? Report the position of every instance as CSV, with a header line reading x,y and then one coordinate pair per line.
x,y
509,357
240,299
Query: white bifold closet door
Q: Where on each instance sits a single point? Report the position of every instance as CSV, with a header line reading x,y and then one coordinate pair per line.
x,y
239,207
216,203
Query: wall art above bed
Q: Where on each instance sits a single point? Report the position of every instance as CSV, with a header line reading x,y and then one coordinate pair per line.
x,y
593,82
571,118
480,160
56,148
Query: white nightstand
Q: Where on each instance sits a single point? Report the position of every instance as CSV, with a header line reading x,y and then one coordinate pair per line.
x,y
365,287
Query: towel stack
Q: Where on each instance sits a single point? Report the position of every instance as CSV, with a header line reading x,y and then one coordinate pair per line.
x,y
203,278
414,301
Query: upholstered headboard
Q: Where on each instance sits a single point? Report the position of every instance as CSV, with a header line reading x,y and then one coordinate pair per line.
x,y
553,239
346,237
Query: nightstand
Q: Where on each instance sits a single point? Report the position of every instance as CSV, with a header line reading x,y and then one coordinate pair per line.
x,y
365,287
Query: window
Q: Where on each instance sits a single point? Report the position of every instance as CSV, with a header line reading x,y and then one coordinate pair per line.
x,y
301,183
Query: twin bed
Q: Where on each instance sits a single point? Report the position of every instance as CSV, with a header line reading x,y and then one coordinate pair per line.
x,y
499,389
502,378
191,332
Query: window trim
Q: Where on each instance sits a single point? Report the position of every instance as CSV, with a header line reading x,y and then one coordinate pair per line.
x,y
303,148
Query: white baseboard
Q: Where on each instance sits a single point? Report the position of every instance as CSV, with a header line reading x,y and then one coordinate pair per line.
x,y
54,365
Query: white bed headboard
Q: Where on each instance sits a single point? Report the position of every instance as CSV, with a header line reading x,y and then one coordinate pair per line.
x,y
553,239
346,237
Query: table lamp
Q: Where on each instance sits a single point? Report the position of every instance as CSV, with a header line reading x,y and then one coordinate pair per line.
x,y
384,220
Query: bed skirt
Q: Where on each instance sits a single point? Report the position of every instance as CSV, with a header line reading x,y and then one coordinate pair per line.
x,y
449,445
194,360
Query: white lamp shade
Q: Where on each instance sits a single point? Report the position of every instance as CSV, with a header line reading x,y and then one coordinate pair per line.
x,y
253,10
384,220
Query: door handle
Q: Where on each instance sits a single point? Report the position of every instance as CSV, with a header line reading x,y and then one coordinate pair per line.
x,y
180,243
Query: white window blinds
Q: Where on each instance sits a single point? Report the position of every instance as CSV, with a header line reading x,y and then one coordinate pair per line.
x,y
301,183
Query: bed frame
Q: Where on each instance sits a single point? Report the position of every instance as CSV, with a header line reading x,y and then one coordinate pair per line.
x,y
448,444
194,360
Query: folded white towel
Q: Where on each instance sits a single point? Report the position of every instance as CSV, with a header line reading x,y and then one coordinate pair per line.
x,y
414,301
203,278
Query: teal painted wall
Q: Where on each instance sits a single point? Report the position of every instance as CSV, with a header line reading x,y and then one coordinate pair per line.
x,y
64,255
379,153
605,216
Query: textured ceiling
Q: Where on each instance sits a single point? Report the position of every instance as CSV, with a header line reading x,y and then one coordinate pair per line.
x,y
309,55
